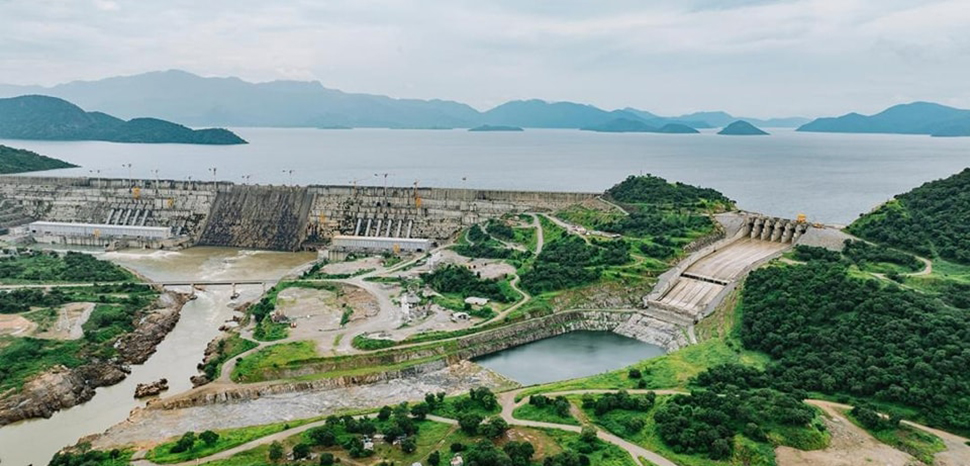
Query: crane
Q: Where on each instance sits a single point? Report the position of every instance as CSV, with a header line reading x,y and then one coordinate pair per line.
x,y
417,199
354,183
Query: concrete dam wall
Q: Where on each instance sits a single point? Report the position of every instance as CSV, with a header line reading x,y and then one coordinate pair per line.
x,y
269,217
258,217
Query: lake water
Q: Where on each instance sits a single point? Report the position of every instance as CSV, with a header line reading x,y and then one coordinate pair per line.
x,y
831,178
575,354
35,441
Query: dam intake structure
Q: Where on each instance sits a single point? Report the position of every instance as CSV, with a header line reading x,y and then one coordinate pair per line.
x,y
283,218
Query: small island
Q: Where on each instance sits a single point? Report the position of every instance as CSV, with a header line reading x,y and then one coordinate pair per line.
x,y
490,128
742,128
677,128
334,127
14,160
621,125
44,118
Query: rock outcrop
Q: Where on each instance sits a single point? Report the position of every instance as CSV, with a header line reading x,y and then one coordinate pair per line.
x,y
151,389
58,388
61,387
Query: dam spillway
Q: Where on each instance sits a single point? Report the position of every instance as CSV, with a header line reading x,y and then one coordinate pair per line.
x,y
257,217
282,218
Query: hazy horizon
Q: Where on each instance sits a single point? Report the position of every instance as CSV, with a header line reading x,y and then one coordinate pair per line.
x,y
754,58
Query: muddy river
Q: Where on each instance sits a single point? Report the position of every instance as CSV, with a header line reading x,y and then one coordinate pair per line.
x,y
35,441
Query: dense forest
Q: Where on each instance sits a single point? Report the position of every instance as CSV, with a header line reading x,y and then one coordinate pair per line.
x,y
649,189
829,332
53,267
461,280
569,261
931,220
19,161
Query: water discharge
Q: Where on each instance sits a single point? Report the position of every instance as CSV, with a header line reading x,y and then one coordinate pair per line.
x,y
35,441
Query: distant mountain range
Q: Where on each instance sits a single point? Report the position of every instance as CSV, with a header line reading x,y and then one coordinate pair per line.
x,y
915,118
52,119
197,101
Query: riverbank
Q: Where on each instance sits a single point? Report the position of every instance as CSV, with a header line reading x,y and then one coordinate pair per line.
x,y
61,387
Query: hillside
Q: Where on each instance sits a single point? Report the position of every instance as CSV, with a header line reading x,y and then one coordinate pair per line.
x,y
209,101
931,220
20,161
621,125
914,118
741,128
51,119
676,128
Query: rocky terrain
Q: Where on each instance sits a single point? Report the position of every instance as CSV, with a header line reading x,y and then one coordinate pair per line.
x,y
61,387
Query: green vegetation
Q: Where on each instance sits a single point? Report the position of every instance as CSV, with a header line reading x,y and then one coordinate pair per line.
x,y
549,412
84,456
831,333
570,261
224,439
21,160
226,349
51,267
253,367
461,281
362,342
38,117
269,330
479,401
922,445
119,307
880,259
484,246
930,220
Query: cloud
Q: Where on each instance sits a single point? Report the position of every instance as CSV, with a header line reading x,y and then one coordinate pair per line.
x,y
756,57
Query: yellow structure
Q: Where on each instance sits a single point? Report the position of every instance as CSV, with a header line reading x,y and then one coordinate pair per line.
x,y
801,218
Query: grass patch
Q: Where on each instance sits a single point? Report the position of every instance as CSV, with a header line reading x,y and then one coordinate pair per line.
x,y
545,414
267,330
52,267
362,342
922,445
226,349
228,438
252,368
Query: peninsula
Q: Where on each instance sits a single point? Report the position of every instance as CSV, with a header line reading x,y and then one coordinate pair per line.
x,y
37,117
14,160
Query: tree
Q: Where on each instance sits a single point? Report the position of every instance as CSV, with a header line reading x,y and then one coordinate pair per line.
x,y
493,428
185,443
469,423
434,459
421,410
209,437
384,414
326,459
323,436
635,374
588,434
408,445
275,451
301,451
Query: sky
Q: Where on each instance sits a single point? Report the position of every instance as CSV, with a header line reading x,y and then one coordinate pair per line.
x,y
756,58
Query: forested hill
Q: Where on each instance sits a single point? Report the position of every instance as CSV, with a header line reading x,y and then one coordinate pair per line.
x,y
830,332
38,117
654,190
20,161
931,220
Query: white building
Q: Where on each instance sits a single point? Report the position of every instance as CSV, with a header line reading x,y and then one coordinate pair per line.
x,y
474,301
94,230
